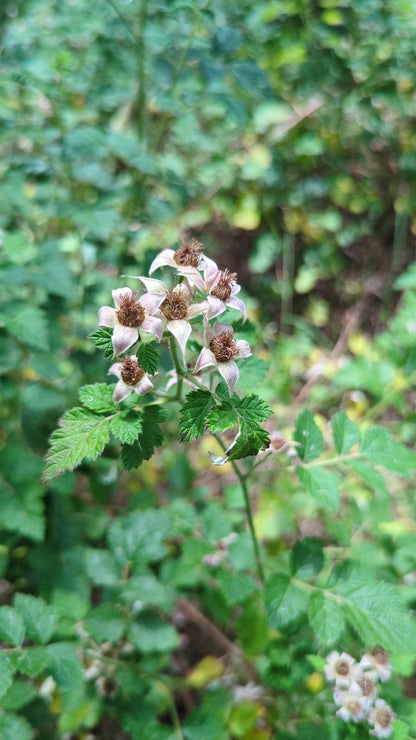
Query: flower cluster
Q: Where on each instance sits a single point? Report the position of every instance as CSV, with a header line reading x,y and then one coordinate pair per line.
x,y
356,689
200,290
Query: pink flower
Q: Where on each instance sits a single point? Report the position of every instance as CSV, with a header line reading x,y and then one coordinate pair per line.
x,y
221,351
131,377
221,287
175,307
130,315
186,258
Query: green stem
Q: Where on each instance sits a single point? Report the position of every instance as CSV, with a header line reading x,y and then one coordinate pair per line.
x,y
331,461
179,366
122,17
243,483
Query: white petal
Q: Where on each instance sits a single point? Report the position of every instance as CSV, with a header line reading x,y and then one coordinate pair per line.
x,y
218,328
153,326
121,294
123,338
230,373
107,316
215,307
116,369
181,330
194,278
121,391
206,359
243,349
197,308
151,302
209,267
143,386
235,288
154,286
238,304
164,258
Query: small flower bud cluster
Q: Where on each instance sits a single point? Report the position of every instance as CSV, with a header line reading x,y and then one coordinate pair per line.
x,y
356,689
200,289
214,559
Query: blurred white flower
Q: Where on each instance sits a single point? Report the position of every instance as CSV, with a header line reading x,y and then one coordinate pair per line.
x,y
131,376
130,315
352,704
186,258
381,717
377,664
342,669
221,287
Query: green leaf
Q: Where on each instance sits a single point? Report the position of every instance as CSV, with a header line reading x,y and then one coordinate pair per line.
x,y
139,536
65,665
323,486
376,611
346,433
148,357
149,591
127,428
325,616
235,587
307,557
253,371
151,634
98,397
252,408
30,661
220,418
284,601
6,674
12,727
401,730
380,449
102,340
193,414
12,628
309,437
151,437
106,623
19,695
251,440
22,511
27,323
370,476
39,617
102,567
81,434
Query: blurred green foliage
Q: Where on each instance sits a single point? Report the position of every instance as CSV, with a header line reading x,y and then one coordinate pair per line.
x,y
283,134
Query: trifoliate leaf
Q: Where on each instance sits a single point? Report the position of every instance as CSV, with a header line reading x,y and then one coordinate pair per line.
x,y
220,418
284,601
12,628
127,428
39,617
193,414
325,616
323,486
150,437
346,434
81,434
309,437
102,340
97,397
380,449
148,357
252,408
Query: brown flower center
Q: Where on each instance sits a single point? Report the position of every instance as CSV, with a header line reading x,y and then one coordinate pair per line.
x,y
174,306
224,347
188,253
130,313
354,707
222,289
384,716
367,686
342,668
132,372
381,656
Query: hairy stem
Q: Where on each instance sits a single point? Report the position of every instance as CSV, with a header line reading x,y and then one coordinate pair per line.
x,y
179,366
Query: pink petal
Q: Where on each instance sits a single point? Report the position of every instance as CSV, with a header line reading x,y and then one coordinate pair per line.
x,y
143,386
153,326
238,304
151,302
164,258
209,267
235,288
123,338
116,369
120,294
243,349
205,359
215,307
107,316
181,330
154,286
197,308
194,278
218,328
230,373
121,391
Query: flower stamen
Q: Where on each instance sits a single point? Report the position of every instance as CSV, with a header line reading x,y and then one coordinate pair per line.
x,y
132,372
174,306
222,289
188,253
130,313
224,347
